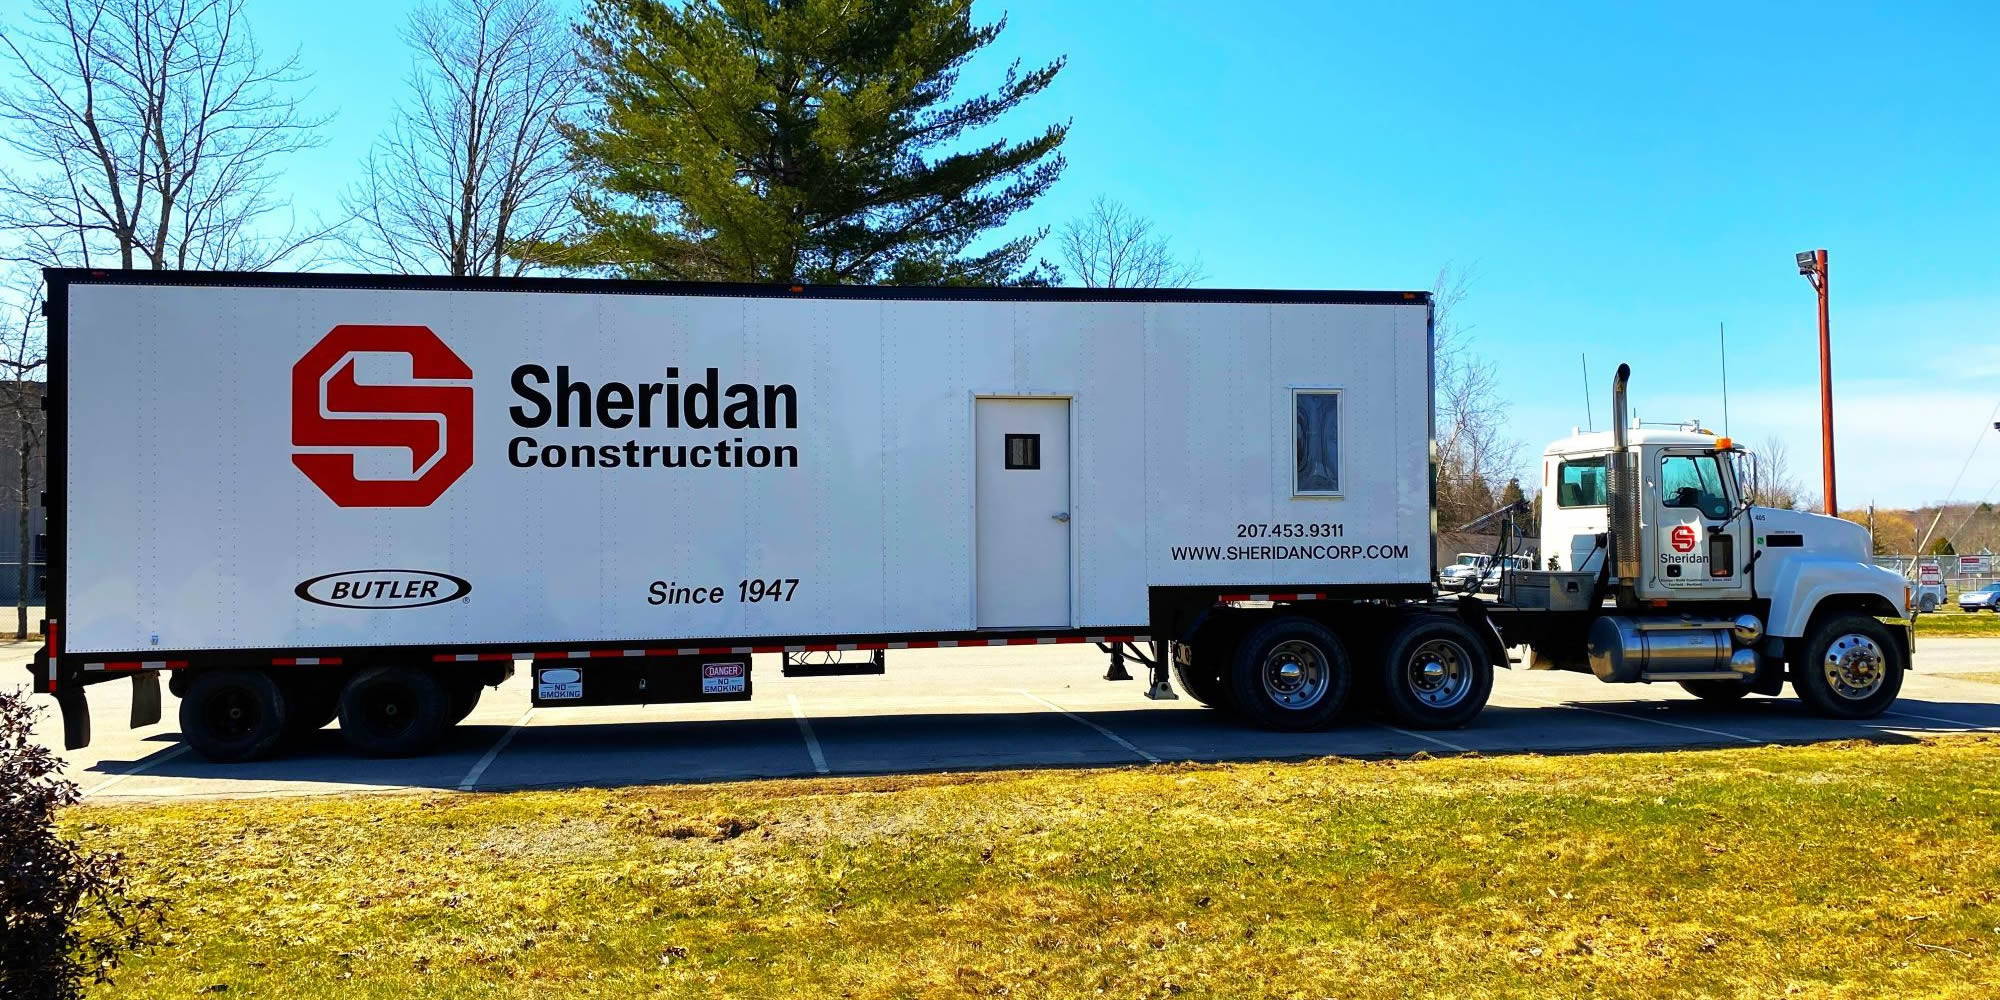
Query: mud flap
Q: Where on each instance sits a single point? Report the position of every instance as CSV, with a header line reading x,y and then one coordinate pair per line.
x,y
145,698
75,717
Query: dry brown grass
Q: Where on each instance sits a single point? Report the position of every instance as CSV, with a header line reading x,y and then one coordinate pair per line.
x,y
1842,870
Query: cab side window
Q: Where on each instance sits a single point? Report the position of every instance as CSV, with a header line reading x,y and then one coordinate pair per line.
x,y
1580,483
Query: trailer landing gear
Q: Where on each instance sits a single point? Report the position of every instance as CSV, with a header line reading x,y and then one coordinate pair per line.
x,y
1159,687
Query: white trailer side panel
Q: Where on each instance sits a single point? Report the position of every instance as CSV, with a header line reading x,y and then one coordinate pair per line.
x,y
188,526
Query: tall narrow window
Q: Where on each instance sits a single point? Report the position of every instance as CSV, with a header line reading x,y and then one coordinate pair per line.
x,y
1316,442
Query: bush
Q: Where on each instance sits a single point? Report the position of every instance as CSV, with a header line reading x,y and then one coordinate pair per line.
x,y
66,914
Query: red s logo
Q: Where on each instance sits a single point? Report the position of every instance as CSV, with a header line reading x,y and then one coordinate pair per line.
x,y
1683,538
333,415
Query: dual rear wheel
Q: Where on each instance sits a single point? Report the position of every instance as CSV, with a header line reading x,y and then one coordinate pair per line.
x,y
241,715
1294,674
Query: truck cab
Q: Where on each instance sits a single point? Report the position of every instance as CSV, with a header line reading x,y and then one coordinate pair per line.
x,y
1671,575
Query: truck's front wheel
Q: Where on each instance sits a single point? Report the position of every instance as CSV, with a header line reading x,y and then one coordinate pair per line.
x,y
394,711
1290,674
1850,669
229,716
1435,675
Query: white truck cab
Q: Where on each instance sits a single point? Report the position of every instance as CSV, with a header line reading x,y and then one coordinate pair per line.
x,y
1687,582
1465,570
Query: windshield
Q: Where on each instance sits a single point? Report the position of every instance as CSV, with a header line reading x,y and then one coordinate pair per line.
x,y
1468,560
1991,587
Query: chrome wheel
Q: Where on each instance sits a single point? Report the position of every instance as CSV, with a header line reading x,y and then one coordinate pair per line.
x,y
1439,673
1295,674
1855,666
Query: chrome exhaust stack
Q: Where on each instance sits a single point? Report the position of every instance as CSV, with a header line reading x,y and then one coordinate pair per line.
x,y
1622,489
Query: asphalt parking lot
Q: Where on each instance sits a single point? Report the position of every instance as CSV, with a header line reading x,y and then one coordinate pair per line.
x,y
948,710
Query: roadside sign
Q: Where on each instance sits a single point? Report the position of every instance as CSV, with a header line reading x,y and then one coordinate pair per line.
x,y
1972,565
1930,574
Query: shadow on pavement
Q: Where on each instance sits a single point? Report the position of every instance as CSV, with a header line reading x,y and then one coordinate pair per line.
x,y
550,753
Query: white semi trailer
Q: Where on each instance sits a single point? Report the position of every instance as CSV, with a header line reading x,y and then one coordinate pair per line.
x,y
304,497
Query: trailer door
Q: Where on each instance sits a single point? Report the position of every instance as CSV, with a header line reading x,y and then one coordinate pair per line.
x,y
1021,506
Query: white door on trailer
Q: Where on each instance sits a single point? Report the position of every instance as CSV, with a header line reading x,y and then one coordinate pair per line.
x,y
1021,506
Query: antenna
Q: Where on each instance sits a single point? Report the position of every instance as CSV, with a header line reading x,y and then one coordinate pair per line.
x,y
1587,425
1722,338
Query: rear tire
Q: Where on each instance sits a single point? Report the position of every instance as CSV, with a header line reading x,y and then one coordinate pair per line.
x,y
1927,605
310,703
1435,675
1851,668
230,716
1199,677
1291,675
464,698
394,712
1717,692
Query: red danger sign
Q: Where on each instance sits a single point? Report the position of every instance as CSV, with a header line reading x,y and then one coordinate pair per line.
x,y
1684,538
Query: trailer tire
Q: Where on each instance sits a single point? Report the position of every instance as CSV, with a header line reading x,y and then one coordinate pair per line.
x,y
394,711
230,716
1197,675
1435,674
1851,668
464,698
310,703
1717,692
1290,674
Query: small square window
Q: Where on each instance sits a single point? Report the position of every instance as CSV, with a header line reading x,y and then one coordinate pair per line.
x,y
1316,442
1024,451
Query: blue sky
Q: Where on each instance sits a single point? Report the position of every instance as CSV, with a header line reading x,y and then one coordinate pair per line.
x,y
1618,177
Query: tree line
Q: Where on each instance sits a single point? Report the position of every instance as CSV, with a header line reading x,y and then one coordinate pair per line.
x,y
785,141
723,140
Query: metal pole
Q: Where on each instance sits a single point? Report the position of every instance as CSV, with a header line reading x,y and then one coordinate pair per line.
x,y
1825,389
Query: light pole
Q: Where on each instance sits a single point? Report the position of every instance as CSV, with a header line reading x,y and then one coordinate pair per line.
x,y
1812,264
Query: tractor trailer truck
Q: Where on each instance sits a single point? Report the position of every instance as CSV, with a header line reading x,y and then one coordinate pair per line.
x,y
309,497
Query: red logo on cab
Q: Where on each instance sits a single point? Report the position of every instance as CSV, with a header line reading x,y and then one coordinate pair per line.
x,y
1683,538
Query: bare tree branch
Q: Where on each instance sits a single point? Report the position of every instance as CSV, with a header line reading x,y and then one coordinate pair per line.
x,y
152,132
1475,456
474,166
1111,246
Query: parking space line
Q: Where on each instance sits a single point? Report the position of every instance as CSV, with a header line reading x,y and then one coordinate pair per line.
x,y
177,750
479,770
1932,718
1447,744
1106,733
806,730
1641,718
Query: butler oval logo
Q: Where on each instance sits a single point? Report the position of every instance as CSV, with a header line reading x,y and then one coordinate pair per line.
x,y
383,589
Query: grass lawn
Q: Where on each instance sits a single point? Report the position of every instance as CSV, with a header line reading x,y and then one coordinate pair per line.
x,y
1838,870
1943,624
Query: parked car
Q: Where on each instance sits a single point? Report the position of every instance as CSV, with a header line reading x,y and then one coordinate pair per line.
x,y
1986,598
1460,574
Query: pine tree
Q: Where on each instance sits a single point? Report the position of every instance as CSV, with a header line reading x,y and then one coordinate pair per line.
x,y
814,141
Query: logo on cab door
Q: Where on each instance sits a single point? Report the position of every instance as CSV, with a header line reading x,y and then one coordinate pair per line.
x,y
428,415
383,589
1683,538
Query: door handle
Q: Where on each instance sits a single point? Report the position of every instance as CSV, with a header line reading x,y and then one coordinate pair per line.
x,y
1063,517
